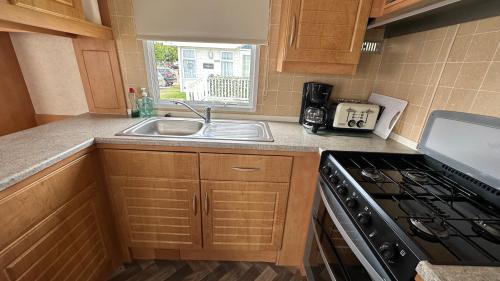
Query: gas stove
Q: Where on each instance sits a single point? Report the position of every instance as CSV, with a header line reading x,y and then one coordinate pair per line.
x,y
414,207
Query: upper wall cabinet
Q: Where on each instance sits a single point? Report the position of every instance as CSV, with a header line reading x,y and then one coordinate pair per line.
x,y
65,8
59,17
322,36
98,63
385,7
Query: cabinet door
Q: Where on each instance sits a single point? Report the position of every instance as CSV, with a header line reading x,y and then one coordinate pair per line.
x,y
323,35
98,63
158,213
243,215
64,8
55,229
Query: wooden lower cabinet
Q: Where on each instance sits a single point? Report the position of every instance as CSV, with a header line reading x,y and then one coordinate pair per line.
x,y
243,215
158,213
57,227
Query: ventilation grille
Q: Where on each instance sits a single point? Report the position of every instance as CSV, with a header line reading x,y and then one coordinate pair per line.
x,y
372,47
474,181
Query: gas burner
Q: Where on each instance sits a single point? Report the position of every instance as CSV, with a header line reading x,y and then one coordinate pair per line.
x,y
487,230
416,176
430,230
372,174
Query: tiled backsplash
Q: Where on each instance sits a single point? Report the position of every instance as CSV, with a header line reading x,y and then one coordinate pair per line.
x,y
454,68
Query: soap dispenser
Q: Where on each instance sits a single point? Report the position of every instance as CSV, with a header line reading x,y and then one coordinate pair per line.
x,y
146,104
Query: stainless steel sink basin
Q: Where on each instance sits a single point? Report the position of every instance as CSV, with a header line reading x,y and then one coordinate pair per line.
x,y
162,127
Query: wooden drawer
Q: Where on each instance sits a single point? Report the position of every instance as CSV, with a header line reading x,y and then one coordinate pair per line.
x,y
245,167
151,164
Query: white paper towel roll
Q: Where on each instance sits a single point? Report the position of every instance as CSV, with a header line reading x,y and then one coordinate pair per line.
x,y
91,11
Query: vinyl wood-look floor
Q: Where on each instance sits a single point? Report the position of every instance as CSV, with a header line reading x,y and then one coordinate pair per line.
x,y
205,271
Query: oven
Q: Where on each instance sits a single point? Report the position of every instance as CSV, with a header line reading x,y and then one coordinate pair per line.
x,y
335,248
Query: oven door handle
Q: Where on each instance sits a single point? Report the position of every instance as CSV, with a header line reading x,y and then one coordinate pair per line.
x,y
321,251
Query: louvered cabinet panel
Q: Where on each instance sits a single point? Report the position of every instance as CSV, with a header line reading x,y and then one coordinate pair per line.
x,y
158,213
64,8
243,215
68,245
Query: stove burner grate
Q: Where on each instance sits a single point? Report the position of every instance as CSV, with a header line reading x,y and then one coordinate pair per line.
x,y
488,230
416,176
372,174
431,230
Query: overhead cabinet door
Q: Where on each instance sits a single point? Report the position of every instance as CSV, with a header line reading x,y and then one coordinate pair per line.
x,y
317,34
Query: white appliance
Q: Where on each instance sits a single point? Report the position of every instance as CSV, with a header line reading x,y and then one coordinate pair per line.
x,y
354,115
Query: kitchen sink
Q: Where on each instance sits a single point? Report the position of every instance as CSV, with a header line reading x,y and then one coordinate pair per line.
x,y
167,127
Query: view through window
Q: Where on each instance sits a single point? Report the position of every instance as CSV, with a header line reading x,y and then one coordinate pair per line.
x,y
208,73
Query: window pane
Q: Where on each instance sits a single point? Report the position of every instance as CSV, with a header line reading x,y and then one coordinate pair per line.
x,y
246,64
189,68
206,72
227,68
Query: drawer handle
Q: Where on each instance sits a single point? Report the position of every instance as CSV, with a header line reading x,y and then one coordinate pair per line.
x,y
292,32
194,204
246,169
205,207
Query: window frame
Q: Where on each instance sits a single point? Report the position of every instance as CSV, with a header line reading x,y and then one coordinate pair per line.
x,y
154,88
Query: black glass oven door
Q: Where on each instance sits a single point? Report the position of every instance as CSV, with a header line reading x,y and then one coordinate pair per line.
x,y
330,256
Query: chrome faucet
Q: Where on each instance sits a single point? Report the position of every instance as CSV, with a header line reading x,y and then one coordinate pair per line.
x,y
208,111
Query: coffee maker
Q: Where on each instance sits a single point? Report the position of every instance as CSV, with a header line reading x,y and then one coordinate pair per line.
x,y
314,110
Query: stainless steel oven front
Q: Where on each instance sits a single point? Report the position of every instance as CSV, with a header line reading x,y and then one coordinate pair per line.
x,y
335,249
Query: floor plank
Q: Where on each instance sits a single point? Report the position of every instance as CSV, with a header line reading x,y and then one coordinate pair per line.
x,y
205,271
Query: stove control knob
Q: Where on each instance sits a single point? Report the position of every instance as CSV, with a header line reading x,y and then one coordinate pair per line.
x,y
364,218
388,252
360,124
351,123
333,179
351,202
326,170
342,189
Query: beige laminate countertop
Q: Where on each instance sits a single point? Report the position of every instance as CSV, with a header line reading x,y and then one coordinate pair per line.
x,y
26,153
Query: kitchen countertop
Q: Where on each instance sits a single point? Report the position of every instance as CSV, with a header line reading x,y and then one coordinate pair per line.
x,y
431,272
26,153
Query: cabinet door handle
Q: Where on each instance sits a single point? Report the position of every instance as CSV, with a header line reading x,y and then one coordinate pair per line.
x,y
205,205
292,32
195,209
245,169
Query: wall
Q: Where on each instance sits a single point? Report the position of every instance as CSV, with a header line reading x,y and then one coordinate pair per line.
x,y
279,93
453,68
49,67
16,109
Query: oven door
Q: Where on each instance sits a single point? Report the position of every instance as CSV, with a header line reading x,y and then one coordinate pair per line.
x,y
335,250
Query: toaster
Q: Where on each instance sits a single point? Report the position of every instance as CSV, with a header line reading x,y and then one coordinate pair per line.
x,y
353,115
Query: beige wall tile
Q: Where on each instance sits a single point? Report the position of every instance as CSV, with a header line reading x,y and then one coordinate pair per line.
x,y
460,48
489,24
431,51
460,100
450,74
471,75
483,47
423,73
487,103
467,28
492,79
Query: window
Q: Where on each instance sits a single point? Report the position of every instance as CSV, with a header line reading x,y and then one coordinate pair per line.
x,y
189,63
202,74
226,63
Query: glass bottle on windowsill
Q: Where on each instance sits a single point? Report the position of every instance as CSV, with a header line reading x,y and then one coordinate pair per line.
x,y
134,110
